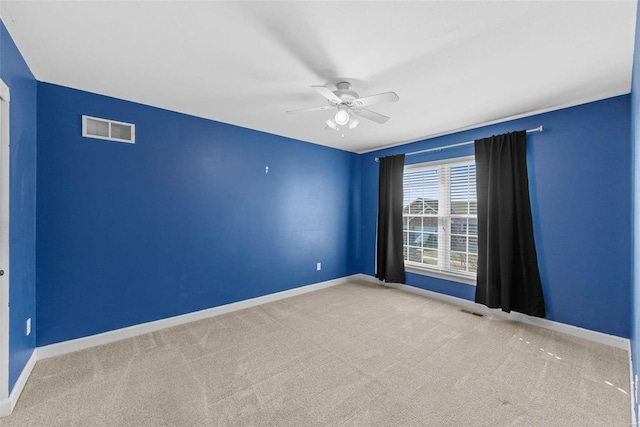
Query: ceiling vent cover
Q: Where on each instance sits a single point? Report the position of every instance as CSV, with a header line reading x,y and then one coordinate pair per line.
x,y
93,127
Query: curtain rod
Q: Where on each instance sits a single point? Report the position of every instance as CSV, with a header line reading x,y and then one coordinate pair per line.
x,y
444,147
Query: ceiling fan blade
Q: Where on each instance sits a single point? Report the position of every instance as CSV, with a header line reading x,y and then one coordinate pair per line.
x,y
370,115
332,97
376,99
307,110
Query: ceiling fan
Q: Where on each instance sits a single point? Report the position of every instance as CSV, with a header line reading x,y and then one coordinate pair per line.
x,y
349,105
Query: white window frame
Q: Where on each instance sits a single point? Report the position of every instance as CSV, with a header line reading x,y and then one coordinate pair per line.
x,y
443,243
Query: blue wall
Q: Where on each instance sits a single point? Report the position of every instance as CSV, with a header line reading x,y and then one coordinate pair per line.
x,y
186,219
635,143
22,288
579,173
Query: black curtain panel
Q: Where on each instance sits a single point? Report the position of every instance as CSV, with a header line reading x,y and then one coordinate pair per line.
x,y
508,276
390,259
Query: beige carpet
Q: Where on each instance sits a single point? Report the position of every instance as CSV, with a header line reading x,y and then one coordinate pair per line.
x,y
352,355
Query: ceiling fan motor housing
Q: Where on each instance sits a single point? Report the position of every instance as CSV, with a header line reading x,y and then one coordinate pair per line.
x,y
344,93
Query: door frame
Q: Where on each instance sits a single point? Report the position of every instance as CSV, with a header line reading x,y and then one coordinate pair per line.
x,y
4,242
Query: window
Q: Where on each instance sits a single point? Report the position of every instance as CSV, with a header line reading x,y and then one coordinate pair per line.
x,y
440,222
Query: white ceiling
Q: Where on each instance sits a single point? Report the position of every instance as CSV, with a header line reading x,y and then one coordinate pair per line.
x,y
454,65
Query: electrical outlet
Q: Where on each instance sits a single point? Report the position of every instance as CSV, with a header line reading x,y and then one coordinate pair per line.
x,y
29,326
319,266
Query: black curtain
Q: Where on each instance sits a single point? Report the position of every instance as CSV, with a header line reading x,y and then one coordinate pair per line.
x,y
390,259
508,276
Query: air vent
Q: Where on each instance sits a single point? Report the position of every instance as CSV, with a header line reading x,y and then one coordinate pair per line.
x,y
93,127
471,312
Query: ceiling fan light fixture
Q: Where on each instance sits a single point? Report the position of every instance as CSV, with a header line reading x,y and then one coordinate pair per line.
x,y
342,117
331,124
354,123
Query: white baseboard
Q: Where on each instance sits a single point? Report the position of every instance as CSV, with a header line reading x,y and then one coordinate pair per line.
x,y
632,389
22,379
7,405
70,346
599,337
